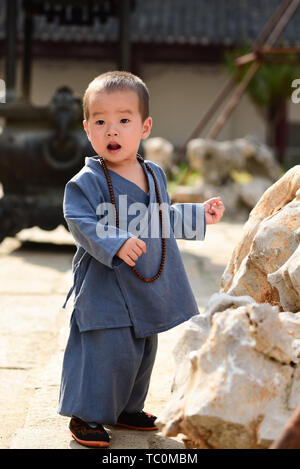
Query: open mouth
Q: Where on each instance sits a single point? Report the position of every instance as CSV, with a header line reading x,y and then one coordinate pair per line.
x,y
113,146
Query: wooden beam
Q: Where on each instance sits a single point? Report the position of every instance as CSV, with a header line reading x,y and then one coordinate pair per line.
x,y
279,50
27,52
245,59
148,53
233,101
263,52
261,40
206,118
283,21
269,27
280,60
276,30
124,59
10,49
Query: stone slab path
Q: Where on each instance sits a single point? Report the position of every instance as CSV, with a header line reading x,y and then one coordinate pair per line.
x,y
35,274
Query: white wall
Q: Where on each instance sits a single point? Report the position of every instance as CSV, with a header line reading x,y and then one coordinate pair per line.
x,y
48,75
180,95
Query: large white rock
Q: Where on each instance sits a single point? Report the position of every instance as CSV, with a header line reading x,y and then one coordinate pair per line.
x,y
268,241
197,330
160,151
242,382
238,377
252,191
215,160
240,171
287,280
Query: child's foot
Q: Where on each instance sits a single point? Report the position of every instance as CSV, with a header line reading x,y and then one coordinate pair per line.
x,y
85,435
137,421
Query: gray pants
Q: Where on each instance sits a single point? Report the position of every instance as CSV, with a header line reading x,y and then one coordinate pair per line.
x,y
105,372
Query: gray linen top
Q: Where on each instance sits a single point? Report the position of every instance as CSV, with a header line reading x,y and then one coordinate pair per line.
x,y
107,293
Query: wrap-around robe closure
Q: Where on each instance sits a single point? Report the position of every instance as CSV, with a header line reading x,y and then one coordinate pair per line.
x,y
107,292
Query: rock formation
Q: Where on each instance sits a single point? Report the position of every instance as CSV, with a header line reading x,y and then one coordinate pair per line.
x,y
238,377
160,151
268,241
217,162
287,280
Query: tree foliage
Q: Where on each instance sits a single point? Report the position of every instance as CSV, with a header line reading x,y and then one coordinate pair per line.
x,y
271,83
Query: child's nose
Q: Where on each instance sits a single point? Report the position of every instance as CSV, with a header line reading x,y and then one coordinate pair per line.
x,y
112,131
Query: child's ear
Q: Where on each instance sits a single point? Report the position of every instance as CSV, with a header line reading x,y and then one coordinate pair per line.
x,y
85,126
147,127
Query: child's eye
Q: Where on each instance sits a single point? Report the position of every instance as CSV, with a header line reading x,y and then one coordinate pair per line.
x,y
124,121
100,122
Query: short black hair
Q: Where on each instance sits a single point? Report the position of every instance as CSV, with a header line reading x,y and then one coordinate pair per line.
x,y
118,80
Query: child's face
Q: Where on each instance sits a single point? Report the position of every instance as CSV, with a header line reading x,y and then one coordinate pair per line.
x,y
115,127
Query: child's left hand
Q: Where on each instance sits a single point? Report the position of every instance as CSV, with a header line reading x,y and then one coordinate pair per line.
x,y
214,209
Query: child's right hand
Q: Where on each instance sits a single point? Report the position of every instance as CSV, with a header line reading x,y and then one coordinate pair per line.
x,y
131,250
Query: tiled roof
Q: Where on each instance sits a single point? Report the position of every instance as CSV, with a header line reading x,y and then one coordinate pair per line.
x,y
227,22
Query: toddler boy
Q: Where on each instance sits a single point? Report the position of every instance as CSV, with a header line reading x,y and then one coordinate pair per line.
x,y
129,279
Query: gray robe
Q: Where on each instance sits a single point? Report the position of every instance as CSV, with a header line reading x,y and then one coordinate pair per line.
x,y
107,292
116,317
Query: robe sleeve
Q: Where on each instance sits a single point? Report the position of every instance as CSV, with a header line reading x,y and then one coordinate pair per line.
x,y
82,222
187,220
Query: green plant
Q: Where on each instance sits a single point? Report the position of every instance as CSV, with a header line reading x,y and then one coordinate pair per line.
x,y
269,90
184,176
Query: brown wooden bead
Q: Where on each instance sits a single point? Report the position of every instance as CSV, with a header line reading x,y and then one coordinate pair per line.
x,y
163,239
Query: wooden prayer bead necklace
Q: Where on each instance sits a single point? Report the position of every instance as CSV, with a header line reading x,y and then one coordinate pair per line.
x,y
163,239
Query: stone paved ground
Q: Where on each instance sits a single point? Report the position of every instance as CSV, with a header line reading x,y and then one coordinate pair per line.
x,y
35,274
